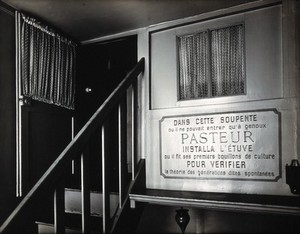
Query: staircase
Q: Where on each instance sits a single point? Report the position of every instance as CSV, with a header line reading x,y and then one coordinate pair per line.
x,y
81,210
73,212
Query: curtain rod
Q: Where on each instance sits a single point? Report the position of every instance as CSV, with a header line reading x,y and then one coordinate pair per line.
x,y
46,29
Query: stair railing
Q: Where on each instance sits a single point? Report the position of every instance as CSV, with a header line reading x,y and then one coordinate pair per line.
x,y
53,177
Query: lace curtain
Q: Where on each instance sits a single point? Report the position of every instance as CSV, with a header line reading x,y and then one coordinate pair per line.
x,y
47,64
228,66
211,63
192,53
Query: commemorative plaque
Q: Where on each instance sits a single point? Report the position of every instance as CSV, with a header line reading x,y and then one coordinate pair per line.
x,y
233,146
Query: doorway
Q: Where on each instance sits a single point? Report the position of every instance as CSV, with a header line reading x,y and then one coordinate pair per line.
x,y
101,67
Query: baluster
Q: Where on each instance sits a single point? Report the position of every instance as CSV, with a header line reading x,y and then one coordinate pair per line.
x,y
122,136
59,208
85,191
134,107
105,178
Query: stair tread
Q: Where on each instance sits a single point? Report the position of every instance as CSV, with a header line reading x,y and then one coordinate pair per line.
x,y
73,202
49,228
70,219
73,222
79,213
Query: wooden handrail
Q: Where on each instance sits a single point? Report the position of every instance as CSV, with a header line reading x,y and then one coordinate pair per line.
x,y
74,148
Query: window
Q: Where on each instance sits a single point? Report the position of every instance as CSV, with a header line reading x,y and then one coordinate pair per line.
x,y
211,63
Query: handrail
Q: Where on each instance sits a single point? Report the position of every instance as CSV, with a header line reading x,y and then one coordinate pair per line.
x,y
76,146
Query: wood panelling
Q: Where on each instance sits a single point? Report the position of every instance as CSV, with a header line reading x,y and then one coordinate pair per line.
x,y
7,112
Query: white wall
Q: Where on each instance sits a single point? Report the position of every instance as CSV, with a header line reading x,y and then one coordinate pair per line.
x,y
266,85
263,59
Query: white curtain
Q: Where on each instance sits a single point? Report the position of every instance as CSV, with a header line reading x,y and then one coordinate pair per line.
x,y
47,64
228,65
192,55
211,63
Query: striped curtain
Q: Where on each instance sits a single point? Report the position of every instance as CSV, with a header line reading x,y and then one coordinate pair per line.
x,y
193,71
228,65
212,63
47,63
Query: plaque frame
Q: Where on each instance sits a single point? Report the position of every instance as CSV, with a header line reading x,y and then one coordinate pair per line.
x,y
278,113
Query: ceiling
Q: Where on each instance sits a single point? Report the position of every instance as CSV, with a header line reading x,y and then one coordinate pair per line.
x,y
84,20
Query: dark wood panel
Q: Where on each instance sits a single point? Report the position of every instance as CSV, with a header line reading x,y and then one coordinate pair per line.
x,y
7,111
46,132
161,219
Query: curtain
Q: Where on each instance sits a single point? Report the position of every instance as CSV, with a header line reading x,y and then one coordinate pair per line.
x,y
47,64
228,66
211,63
192,55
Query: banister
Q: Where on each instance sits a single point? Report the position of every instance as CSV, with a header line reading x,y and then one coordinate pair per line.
x,y
75,147
105,185
85,191
59,204
134,126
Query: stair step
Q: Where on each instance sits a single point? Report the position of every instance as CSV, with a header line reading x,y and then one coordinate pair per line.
x,y
46,228
72,222
73,202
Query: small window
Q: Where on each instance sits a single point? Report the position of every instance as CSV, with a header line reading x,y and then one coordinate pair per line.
x,y
211,63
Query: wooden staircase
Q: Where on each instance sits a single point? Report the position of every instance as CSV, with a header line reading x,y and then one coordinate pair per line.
x,y
83,211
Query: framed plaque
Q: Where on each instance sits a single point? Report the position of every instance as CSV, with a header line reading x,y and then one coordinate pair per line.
x,y
229,146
